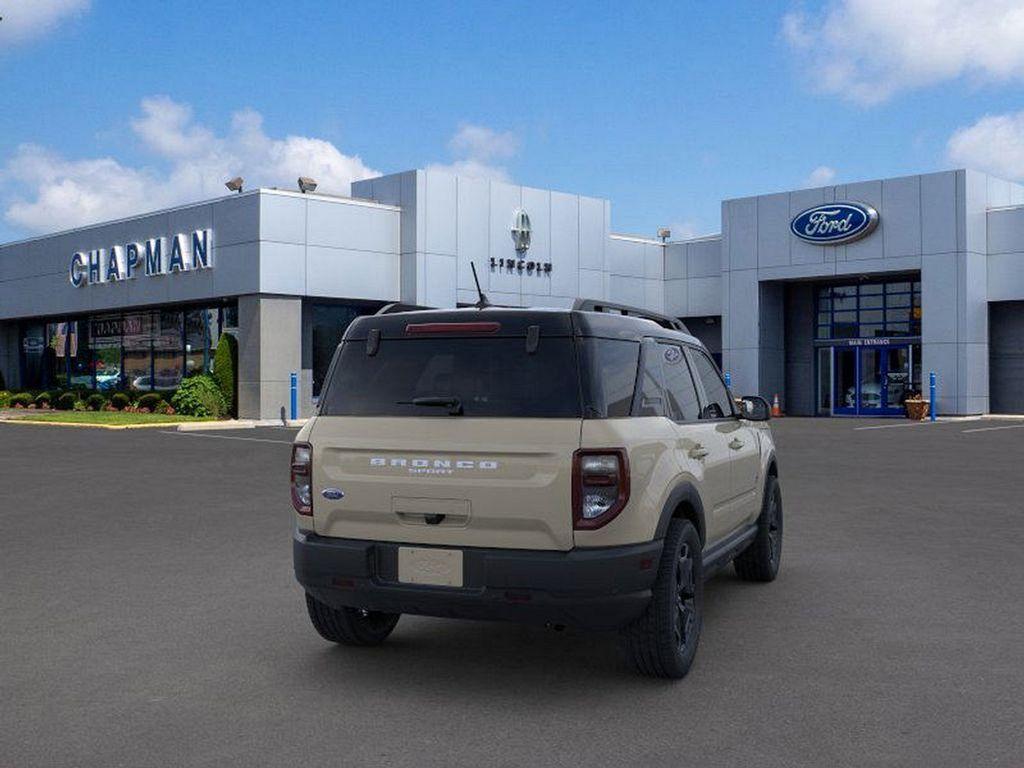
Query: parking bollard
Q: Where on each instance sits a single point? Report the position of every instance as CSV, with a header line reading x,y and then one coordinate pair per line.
x,y
931,395
295,395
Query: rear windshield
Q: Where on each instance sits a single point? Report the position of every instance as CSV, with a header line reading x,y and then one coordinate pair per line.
x,y
488,377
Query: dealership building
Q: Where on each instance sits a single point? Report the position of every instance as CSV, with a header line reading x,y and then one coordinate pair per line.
x,y
839,299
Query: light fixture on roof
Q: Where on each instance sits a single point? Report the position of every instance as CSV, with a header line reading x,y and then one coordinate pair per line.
x,y
664,233
307,184
235,184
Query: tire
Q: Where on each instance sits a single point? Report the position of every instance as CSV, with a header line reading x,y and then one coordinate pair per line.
x,y
663,641
760,561
350,626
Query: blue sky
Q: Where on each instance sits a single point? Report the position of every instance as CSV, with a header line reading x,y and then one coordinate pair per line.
x,y
112,107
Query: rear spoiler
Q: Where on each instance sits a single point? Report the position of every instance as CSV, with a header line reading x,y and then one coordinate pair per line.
x,y
397,306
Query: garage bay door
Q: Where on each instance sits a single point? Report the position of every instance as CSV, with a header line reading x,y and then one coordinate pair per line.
x,y
1006,356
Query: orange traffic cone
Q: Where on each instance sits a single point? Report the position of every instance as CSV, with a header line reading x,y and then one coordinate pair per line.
x,y
776,408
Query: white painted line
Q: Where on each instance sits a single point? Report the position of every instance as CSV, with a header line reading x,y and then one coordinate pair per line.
x,y
991,429
892,426
227,437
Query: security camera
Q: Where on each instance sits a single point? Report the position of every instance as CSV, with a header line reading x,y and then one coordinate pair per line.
x,y
307,184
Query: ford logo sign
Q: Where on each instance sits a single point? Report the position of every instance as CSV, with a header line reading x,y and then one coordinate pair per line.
x,y
332,493
835,223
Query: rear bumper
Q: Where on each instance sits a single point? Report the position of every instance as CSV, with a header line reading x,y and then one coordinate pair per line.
x,y
603,588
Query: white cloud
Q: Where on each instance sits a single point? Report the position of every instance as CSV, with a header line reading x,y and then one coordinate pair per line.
x,y
865,51
482,143
994,143
47,192
476,148
27,19
820,176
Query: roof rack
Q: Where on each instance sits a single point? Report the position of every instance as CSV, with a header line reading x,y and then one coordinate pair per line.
x,y
593,305
397,306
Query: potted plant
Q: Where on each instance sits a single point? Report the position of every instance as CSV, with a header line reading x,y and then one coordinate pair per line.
x,y
916,406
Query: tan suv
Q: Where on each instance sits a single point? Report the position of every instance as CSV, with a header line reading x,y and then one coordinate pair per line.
x,y
560,467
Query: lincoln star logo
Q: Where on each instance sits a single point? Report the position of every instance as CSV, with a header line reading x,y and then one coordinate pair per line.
x,y
422,466
521,230
835,223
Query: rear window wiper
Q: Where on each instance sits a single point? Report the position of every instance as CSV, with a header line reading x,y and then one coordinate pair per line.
x,y
453,404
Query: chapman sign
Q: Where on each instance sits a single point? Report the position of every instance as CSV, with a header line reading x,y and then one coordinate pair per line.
x,y
157,256
835,223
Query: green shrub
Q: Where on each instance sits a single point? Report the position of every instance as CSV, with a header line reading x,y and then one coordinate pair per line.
x,y
66,402
225,371
24,399
120,401
43,399
95,402
150,400
199,396
5,398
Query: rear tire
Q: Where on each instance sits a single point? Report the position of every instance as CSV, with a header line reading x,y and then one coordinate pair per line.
x,y
663,641
350,626
760,561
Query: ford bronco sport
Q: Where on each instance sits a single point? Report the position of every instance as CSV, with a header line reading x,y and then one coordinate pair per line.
x,y
561,467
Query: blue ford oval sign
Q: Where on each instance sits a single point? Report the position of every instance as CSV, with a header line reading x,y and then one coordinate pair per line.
x,y
835,223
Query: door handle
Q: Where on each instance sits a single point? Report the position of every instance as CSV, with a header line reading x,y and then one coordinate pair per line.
x,y
698,451
736,444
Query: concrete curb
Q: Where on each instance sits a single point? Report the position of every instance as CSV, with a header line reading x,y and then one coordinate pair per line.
x,y
196,426
155,424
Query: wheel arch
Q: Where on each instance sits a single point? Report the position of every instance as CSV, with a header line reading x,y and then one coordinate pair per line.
x,y
683,502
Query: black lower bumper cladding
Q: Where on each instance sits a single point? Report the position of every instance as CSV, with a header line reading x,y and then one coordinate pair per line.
x,y
602,588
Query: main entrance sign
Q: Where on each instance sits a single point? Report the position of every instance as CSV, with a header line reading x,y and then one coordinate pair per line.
x,y
835,223
157,256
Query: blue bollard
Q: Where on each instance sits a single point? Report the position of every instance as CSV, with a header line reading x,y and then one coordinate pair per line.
x,y
728,380
931,395
295,395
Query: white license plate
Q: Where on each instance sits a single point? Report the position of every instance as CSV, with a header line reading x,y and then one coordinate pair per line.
x,y
439,567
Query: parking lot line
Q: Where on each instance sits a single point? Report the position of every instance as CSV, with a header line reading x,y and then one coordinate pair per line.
x,y
893,426
226,437
992,429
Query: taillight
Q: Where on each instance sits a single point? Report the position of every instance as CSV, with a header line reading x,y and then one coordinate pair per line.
x,y
302,478
600,486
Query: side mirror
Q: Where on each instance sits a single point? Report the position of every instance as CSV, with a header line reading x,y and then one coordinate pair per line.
x,y
754,408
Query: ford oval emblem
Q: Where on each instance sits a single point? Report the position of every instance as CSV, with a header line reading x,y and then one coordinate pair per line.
x,y
332,493
835,223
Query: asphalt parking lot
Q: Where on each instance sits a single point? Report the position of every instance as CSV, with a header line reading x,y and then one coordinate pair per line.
x,y
149,617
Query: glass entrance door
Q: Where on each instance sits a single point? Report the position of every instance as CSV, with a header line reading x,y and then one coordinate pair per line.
x,y
870,380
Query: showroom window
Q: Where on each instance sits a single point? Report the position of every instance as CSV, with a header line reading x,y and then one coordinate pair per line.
x,y
140,350
869,310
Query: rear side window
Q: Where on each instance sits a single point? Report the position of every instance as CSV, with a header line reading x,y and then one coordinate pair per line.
x,y
679,386
650,385
489,377
610,376
718,404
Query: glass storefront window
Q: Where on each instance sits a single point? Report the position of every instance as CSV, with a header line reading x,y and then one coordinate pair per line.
x,y
168,353
33,342
105,349
200,340
141,350
79,358
869,310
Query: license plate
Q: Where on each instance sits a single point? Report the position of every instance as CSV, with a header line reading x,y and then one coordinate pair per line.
x,y
438,567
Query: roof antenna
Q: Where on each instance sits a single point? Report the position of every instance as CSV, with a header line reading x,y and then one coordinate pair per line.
x,y
482,303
